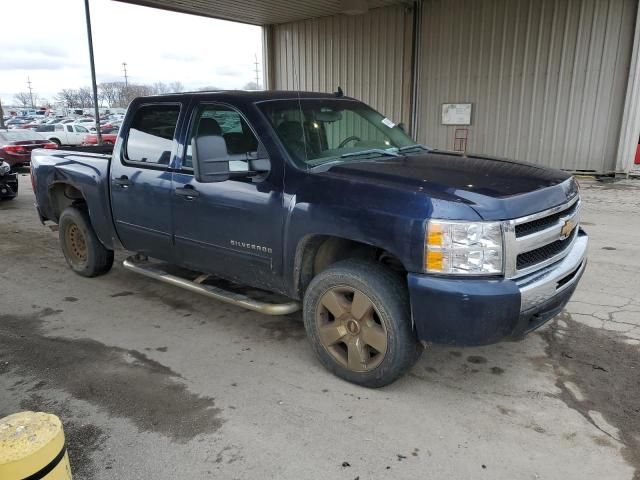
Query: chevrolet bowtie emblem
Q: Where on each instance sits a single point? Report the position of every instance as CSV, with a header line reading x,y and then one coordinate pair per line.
x,y
567,228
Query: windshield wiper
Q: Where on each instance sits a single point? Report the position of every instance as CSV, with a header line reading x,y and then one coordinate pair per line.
x,y
411,147
371,151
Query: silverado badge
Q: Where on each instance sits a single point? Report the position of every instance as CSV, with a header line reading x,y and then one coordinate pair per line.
x,y
567,228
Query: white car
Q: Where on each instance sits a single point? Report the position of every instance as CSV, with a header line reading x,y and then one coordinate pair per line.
x,y
67,134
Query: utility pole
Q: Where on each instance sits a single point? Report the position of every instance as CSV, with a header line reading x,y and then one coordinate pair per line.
x,y
255,55
126,78
1,115
30,91
93,72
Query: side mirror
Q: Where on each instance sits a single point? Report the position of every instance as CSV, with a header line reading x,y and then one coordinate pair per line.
x,y
210,159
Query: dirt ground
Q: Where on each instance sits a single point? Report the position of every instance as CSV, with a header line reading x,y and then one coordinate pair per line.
x,y
155,382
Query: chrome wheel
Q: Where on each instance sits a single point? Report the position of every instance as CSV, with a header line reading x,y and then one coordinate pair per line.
x,y
350,329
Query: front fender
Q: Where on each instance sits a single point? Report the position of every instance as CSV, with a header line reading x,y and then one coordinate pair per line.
x,y
396,234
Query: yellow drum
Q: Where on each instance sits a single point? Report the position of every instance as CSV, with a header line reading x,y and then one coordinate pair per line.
x,y
32,447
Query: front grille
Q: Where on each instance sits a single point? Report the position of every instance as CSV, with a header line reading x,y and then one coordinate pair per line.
x,y
540,224
539,255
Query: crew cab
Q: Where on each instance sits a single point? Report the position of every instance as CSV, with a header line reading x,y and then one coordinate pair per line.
x,y
67,134
386,245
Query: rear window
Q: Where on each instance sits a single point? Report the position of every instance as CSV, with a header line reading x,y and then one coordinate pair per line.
x,y
150,138
17,136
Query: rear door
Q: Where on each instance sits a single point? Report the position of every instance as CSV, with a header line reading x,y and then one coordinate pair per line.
x,y
141,179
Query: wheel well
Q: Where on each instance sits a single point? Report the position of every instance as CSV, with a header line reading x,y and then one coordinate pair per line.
x,y
64,195
317,252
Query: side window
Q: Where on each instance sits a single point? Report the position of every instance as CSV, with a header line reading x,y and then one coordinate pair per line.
x,y
59,128
150,138
80,129
218,120
70,128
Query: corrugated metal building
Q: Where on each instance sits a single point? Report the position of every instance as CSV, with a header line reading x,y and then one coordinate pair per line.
x,y
553,82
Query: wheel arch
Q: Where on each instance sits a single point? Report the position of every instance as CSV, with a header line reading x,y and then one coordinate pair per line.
x,y
316,252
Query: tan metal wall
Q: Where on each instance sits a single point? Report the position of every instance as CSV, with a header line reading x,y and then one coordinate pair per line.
x,y
547,77
368,55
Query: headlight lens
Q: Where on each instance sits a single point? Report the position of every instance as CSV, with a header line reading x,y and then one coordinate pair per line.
x,y
471,248
4,168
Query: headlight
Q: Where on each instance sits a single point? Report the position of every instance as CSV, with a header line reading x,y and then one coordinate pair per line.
x,y
471,248
4,168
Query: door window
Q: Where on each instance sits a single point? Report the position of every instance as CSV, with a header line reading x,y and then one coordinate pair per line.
x,y
150,138
80,129
70,128
219,120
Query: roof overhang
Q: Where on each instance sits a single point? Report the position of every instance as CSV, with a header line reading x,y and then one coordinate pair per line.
x,y
266,12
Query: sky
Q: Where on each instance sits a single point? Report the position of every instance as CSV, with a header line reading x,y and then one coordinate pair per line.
x,y
158,46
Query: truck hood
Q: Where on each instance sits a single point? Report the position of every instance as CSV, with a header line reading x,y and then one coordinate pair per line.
x,y
497,189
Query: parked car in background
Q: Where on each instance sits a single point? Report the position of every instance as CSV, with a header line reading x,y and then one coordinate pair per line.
x,y
15,122
45,128
67,134
107,139
16,146
8,182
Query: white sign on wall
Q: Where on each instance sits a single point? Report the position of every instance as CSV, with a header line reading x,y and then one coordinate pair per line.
x,y
456,113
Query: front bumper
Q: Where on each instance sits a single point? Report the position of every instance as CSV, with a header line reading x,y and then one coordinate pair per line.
x,y
483,311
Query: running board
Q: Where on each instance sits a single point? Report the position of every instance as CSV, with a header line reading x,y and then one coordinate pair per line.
x,y
147,269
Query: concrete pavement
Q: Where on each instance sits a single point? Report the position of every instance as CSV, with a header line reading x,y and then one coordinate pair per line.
x,y
155,382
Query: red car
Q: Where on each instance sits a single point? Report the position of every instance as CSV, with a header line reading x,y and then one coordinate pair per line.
x,y
107,139
16,146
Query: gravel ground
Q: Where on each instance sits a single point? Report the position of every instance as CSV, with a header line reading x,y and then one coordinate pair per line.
x,y
155,382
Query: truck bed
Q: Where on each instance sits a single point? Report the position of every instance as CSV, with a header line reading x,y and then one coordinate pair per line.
x,y
56,174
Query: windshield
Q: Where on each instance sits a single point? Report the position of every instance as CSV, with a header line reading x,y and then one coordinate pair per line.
x,y
319,131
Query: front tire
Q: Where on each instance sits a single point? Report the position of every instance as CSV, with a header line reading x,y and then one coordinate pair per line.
x,y
82,250
357,317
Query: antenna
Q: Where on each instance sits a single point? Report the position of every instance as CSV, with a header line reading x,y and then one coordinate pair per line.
x,y
30,91
339,93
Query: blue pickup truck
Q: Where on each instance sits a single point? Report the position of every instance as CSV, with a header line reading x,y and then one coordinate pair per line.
x,y
320,203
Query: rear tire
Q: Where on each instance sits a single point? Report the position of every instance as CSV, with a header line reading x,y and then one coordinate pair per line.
x,y
82,250
357,317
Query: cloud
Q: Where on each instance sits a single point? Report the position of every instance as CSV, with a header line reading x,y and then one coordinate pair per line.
x,y
32,64
179,57
230,71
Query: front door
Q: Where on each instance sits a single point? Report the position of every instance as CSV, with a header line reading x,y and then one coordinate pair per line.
x,y
232,228
141,181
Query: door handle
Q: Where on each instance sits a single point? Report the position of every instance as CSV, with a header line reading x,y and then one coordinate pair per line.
x,y
123,182
188,192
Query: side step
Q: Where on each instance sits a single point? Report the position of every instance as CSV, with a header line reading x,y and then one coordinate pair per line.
x,y
146,268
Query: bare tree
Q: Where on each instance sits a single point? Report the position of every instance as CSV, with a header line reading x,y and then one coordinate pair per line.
x,y
175,87
159,88
85,97
69,97
23,98
133,91
111,93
